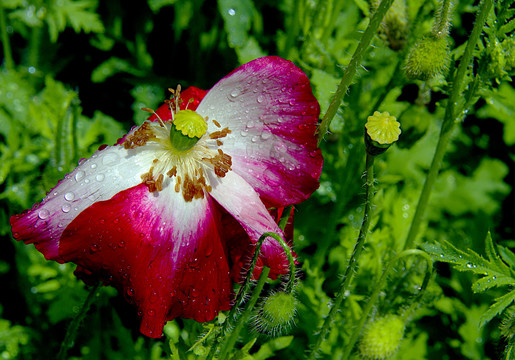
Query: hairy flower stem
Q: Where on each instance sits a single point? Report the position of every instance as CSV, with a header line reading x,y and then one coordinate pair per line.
x,y
378,288
350,71
233,318
6,45
353,262
449,123
231,340
71,333
441,27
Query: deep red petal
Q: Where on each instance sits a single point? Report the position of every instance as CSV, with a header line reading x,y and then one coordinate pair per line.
x,y
191,98
129,243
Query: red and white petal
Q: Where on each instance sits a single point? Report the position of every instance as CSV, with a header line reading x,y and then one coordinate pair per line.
x,y
240,200
104,174
270,109
165,254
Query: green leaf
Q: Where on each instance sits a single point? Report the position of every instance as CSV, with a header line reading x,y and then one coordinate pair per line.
x,y
498,307
111,67
79,14
269,348
156,5
500,106
237,15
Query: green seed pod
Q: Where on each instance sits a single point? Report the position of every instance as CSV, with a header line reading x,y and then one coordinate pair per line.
x,y
381,338
428,58
276,314
382,130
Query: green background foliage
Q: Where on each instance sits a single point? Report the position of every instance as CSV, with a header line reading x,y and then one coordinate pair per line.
x,y
75,74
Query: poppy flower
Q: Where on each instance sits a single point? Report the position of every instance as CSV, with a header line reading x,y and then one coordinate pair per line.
x,y
159,215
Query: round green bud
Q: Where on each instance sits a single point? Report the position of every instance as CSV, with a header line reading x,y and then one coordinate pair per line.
x,y
277,313
187,128
428,58
382,130
381,338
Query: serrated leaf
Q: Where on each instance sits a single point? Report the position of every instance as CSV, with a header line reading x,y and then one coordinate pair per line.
x,y
78,14
500,304
495,270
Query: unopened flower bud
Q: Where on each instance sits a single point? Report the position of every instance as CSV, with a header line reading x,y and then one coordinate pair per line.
x,y
394,28
277,313
427,58
382,130
382,337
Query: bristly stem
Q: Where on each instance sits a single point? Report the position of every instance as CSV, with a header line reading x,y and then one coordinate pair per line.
x,y
379,287
353,262
231,340
441,26
71,333
6,45
449,123
350,70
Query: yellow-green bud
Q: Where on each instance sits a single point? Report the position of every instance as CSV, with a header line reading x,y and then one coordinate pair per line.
x,y
382,130
187,128
381,338
428,58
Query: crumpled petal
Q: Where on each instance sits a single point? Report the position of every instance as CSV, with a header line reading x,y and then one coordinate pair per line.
x,y
165,255
240,200
270,109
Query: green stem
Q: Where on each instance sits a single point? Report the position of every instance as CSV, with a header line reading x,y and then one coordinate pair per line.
x,y
353,262
350,71
441,27
233,337
378,288
73,328
6,45
448,124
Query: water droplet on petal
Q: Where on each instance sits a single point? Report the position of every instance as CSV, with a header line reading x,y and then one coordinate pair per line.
x,y
244,133
265,135
94,248
93,166
43,214
69,196
66,208
130,292
260,99
79,175
100,177
151,312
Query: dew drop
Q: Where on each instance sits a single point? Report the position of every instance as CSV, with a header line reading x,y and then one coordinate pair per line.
x,y
235,93
43,214
79,175
130,292
69,196
93,166
66,208
231,12
100,177
251,124
244,133
121,243
151,312
93,248
260,99
255,138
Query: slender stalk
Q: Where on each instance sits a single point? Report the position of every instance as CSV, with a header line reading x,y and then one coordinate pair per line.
x,y
6,45
73,328
353,262
233,337
350,71
448,124
378,288
441,27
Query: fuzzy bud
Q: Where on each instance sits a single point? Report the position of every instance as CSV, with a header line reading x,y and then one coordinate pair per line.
x,y
428,58
381,338
394,28
277,314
